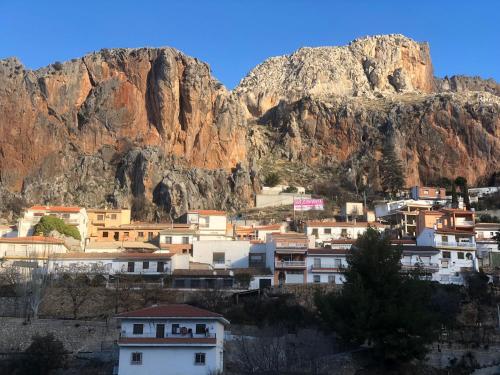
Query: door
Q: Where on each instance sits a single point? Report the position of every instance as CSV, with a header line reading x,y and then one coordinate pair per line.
x,y
160,331
264,283
160,267
130,267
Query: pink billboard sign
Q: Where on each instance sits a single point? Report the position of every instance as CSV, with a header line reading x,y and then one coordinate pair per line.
x,y
307,204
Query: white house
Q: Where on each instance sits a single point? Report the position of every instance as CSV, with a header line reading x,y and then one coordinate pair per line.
x,y
171,340
144,264
74,216
326,265
457,252
31,247
426,259
210,224
324,231
222,254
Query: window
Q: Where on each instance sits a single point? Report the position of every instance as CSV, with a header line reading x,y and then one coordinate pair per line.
x,y
145,265
138,329
338,262
100,217
327,231
116,236
105,234
200,329
175,329
315,232
113,216
317,262
219,258
168,240
331,279
444,264
199,359
426,192
185,240
140,234
65,216
468,256
460,255
160,266
444,239
150,236
130,267
126,234
446,255
136,358
317,278
445,278
343,233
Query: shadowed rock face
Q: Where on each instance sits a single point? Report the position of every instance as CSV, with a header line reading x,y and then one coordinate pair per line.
x,y
154,124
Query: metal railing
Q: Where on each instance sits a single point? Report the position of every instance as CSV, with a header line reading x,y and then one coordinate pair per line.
x,y
168,335
290,263
456,244
425,266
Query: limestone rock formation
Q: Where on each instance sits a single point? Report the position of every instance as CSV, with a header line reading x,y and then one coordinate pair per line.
x,y
382,65
152,129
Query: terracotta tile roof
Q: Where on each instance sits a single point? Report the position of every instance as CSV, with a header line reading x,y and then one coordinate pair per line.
x,y
120,244
176,248
167,340
358,224
346,241
420,250
268,227
55,208
170,311
106,210
325,251
32,239
453,231
487,225
208,212
256,241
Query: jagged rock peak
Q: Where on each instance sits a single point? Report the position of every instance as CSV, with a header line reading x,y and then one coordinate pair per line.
x,y
369,66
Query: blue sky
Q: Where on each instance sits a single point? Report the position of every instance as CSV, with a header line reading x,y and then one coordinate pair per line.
x,y
233,36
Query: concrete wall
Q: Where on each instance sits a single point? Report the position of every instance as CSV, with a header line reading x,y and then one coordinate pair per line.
x,y
236,253
276,200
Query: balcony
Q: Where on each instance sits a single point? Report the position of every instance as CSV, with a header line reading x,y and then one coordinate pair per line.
x,y
464,223
432,267
168,339
458,245
290,264
327,268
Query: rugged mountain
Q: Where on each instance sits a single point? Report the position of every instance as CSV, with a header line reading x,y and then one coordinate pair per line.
x,y
152,128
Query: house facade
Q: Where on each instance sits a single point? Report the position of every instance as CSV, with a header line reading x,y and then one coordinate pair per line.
x,y
106,218
326,265
74,216
286,255
210,224
428,193
171,340
38,247
324,231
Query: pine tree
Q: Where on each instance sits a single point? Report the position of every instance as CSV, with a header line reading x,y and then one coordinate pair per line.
x,y
391,170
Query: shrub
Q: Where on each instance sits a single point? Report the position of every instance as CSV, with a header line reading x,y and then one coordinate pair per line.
x,y
57,65
45,354
49,223
272,179
291,189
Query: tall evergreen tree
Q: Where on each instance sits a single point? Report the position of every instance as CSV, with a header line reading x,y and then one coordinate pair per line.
x,y
391,170
379,305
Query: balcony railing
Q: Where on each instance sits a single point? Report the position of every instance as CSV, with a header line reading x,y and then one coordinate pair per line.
x,y
424,266
456,244
169,335
290,263
464,223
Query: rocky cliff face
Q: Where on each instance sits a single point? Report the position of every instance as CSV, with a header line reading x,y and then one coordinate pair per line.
x,y
153,126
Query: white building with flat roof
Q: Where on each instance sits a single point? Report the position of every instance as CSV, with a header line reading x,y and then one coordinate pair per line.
x,y
174,339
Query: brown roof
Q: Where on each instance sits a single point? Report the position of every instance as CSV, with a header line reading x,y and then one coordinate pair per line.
x,y
346,241
358,224
167,340
32,239
325,251
487,225
170,311
55,208
453,231
208,212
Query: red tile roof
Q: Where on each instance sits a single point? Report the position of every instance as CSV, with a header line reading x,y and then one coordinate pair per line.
x,y
167,340
171,311
454,231
55,208
32,239
208,212
118,255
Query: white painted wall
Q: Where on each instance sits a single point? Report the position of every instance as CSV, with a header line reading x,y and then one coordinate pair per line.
x,y
327,261
352,232
28,249
236,253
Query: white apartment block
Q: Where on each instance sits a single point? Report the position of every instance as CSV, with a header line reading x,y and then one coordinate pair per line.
x,y
324,231
37,247
74,216
171,340
326,265
457,252
210,224
222,254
